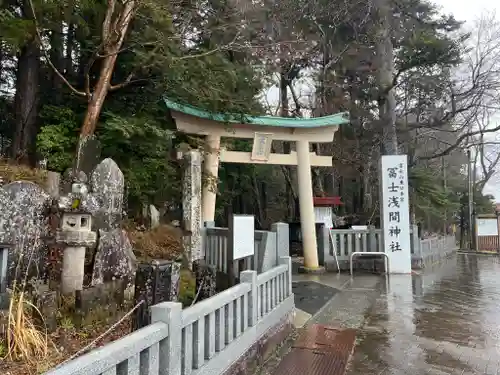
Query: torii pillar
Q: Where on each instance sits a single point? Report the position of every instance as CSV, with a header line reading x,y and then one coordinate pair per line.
x,y
306,206
263,130
211,168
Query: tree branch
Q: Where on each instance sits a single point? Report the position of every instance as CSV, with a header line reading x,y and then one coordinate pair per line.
x,y
457,143
106,25
128,81
47,57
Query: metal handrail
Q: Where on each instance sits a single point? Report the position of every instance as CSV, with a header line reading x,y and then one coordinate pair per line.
x,y
386,262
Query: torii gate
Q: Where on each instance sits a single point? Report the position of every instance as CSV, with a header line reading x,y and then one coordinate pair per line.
x,y
263,130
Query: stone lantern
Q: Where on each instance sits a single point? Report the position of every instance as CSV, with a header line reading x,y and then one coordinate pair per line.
x,y
76,235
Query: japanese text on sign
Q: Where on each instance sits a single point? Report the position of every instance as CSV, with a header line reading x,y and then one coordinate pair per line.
x,y
395,196
261,146
395,211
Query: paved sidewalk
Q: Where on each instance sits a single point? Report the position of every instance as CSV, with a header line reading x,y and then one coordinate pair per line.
x,y
319,350
443,322
346,309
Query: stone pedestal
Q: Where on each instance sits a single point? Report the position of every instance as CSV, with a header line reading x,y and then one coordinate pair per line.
x,y
72,270
155,282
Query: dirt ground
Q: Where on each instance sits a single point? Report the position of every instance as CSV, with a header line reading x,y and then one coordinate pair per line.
x,y
64,343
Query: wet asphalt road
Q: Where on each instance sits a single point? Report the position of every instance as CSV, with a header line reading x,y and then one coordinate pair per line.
x,y
444,322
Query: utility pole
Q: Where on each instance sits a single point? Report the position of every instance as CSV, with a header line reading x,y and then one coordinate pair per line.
x,y
443,171
470,198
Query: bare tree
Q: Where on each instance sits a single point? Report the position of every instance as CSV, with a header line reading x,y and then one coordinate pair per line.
x,y
473,96
486,151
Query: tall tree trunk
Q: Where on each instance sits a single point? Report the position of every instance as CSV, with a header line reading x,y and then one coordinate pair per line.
x,y
112,46
57,58
1,62
97,98
70,47
285,112
26,103
385,58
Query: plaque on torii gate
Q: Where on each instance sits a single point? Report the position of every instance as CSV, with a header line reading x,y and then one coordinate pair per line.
x,y
263,130
261,148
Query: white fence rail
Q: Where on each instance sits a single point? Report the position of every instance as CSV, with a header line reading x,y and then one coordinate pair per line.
x,y
269,247
203,339
434,249
344,242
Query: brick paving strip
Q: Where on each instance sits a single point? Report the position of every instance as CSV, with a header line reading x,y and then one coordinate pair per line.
x,y
319,350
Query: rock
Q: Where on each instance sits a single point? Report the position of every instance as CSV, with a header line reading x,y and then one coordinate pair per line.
x,y
206,279
191,206
156,281
88,154
24,226
154,216
108,187
114,258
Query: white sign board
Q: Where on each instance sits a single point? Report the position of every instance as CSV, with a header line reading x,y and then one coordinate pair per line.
x,y
243,236
261,146
396,212
324,215
487,227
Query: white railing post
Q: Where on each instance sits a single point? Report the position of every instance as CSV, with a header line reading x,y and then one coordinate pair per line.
x,y
282,239
288,286
250,277
205,241
416,241
170,348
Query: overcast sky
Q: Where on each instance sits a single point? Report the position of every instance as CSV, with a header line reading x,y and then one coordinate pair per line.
x,y
466,10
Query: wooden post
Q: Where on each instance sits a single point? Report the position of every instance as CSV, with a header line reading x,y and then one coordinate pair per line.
x,y
498,226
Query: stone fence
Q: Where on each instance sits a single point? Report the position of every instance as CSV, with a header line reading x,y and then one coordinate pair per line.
x,y
206,338
344,242
432,250
269,247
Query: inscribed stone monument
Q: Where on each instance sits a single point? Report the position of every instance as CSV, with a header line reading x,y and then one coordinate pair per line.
x,y
191,206
23,225
88,155
395,212
155,282
108,185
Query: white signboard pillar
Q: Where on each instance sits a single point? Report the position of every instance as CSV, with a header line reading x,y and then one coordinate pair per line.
x,y
396,212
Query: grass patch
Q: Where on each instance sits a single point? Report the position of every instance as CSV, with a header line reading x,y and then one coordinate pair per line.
x,y
11,171
163,242
25,341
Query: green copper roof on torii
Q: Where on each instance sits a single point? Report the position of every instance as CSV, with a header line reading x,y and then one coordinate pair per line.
x,y
284,122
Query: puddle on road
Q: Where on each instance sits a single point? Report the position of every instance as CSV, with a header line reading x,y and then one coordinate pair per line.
x,y
444,323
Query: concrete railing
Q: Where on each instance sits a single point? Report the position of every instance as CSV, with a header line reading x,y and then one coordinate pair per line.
x,y
432,250
347,241
206,338
269,246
